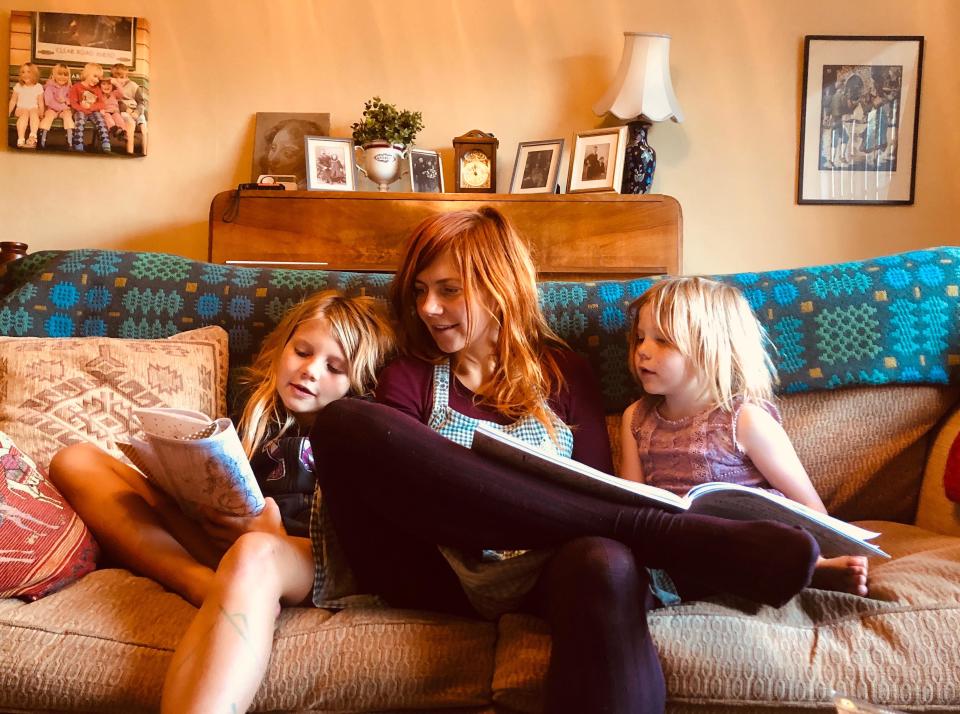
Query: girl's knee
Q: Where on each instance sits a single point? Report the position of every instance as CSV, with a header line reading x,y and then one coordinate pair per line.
x,y
68,464
252,556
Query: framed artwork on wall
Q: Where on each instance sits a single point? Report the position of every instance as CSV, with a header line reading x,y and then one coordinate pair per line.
x,y
597,161
330,165
278,144
426,171
537,166
860,119
79,83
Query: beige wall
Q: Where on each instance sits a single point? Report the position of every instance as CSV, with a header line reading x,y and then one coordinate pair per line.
x,y
524,70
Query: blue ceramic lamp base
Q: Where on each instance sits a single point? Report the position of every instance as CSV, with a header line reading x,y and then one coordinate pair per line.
x,y
640,160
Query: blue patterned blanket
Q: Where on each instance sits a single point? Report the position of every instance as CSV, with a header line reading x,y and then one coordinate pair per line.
x,y
894,319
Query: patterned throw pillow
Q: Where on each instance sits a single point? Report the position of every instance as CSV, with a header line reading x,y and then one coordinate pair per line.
x,y
43,544
60,391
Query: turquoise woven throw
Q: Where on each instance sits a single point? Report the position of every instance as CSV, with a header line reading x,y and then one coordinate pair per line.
x,y
889,320
894,319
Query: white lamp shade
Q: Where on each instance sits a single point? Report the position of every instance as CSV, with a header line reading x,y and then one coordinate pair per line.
x,y
642,85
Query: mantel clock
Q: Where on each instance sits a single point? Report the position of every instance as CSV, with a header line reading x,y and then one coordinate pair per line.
x,y
475,162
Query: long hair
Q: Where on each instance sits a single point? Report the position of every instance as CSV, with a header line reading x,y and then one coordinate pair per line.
x,y
360,329
31,70
711,324
496,265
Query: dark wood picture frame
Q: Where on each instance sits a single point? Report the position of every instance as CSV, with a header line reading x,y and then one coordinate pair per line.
x,y
859,119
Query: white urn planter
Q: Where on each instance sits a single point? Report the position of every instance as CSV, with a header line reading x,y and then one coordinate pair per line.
x,y
381,163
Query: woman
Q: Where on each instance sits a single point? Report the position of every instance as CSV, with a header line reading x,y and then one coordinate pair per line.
x,y
398,482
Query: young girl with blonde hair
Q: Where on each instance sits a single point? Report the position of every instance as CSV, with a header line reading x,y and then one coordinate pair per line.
x,y
56,98
698,352
26,103
323,349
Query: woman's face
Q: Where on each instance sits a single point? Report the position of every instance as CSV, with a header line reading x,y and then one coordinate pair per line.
x,y
455,323
285,154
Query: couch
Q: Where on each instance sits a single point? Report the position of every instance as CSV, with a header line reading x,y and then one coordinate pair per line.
x,y
868,353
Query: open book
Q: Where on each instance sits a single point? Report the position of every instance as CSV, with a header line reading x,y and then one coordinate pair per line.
x,y
726,500
196,460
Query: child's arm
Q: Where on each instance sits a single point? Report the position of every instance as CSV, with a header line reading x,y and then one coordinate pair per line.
x,y
630,468
770,450
13,101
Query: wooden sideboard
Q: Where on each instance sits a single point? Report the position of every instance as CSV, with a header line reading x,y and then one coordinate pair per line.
x,y
572,236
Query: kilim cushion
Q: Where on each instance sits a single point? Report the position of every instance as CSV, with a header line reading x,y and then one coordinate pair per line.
x,y
43,543
55,392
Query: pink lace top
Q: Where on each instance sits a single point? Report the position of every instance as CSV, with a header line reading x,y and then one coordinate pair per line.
x,y
678,455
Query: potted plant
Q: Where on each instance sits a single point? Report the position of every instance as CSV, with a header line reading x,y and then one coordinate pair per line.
x,y
384,132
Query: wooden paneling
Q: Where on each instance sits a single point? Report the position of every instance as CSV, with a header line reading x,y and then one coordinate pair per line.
x,y
599,235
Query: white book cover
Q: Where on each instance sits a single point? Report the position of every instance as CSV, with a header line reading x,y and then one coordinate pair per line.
x,y
196,460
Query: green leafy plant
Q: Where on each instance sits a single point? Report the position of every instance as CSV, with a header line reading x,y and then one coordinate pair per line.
x,y
384,121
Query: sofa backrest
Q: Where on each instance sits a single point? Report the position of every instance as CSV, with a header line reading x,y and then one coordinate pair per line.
x,y
884,322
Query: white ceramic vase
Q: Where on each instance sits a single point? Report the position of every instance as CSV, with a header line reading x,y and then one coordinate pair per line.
x,y
381,163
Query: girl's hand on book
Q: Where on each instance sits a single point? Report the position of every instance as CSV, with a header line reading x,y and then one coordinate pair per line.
x,y
224,529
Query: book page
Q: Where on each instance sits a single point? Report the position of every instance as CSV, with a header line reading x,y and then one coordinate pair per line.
x,y
742,503
503,447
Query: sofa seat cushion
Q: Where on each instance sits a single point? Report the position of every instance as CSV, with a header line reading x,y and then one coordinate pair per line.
x,y
103,643
899,648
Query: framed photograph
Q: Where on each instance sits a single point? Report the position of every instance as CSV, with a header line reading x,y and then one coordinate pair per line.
x,y
76,39
537,166
859,121
426,172
103,61
278,144
597,161
330,165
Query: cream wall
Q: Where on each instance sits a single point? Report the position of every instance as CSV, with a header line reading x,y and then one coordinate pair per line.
x,y
524,70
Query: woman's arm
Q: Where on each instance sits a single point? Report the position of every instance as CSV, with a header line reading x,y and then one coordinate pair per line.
x,y
630,468
770,450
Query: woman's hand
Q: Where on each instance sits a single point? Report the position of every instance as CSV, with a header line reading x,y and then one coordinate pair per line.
x,y
224,529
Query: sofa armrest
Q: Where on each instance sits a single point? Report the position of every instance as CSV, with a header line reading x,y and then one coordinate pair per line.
x,y
935,511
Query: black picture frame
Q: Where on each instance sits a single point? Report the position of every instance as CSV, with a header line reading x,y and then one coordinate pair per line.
x,y
859,119
426,171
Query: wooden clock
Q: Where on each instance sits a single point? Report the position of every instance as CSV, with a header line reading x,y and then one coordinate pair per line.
x,y
475,162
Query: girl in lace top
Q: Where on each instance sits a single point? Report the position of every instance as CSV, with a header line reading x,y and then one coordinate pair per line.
x,y
698,352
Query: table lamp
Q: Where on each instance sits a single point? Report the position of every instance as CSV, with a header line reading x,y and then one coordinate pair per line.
x,y
642,93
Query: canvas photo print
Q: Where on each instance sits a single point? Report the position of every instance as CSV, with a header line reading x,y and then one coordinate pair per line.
x,y
79,83
278,143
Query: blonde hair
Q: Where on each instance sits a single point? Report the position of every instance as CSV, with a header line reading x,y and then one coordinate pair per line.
x,y
90,69
711,324
59,66
495,263
30,69
357,325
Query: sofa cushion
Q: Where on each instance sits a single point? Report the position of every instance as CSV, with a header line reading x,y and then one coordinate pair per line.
x,y
43,544
935,511
899,648
104,643
55,392
865,447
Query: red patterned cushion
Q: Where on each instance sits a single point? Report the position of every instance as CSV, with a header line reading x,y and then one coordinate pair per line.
x,y
951,472
43,544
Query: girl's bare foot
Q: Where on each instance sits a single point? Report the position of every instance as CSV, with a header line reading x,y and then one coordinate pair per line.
x,y
845,574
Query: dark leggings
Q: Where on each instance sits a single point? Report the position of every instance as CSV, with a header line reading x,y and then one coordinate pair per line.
x,y
395,488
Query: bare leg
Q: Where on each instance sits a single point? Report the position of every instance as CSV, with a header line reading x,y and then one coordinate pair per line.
x,y
34,122
221,661
23,116
845,574
136,524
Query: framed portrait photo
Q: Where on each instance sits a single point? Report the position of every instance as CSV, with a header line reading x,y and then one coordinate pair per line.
x,y
278,146
426,172
860,118
75,39
597,161
537,166
330,165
